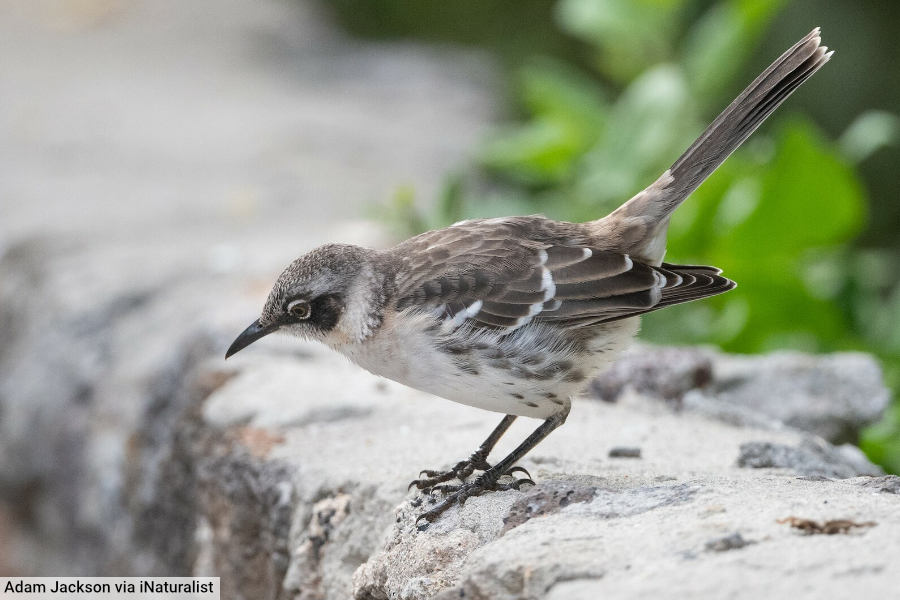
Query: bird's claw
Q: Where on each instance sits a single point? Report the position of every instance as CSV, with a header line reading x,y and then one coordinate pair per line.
x,y
460,471
458,494
444,489
518,469
517,483
433,478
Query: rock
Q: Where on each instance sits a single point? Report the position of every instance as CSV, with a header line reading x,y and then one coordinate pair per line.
x,y
546,499
888,484
624,452
729,542
135,448
505,563
284,471
813,458
667,373
833,396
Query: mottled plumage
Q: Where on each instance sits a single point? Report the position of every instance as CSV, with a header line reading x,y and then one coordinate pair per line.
x,y
514,314
532,269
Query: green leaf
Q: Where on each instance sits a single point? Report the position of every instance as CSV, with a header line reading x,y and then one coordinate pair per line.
x,y
868,133
541,152
569,115
808,197
758,227
629,35
553,90
645,133
691,232
881,442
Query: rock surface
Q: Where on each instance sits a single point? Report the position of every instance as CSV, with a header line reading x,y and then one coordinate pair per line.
x,y
130,446
134,448
834,397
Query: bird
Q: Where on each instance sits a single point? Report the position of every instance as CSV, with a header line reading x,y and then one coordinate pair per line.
x,y
514,315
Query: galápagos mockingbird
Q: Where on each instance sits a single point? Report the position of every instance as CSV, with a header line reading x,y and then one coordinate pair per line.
x,y
513,315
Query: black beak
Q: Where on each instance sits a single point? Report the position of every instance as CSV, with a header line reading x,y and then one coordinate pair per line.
x,y
250,335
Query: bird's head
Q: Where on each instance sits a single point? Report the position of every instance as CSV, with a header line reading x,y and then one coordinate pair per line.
x,y
333,294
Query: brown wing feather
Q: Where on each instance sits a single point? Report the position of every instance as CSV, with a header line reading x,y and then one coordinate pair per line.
x,y
684,284
504,273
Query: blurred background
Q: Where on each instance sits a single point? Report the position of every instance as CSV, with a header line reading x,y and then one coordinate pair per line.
x,y
215,132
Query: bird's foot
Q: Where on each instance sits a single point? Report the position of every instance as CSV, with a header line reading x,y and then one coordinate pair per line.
x,y
489,481
460,471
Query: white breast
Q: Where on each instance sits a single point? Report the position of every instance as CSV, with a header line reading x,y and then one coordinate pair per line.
x,y
520,373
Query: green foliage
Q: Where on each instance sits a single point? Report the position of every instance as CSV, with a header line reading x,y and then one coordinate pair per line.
x,y
568,114
720,42
627,35
758,222
870,132
779,216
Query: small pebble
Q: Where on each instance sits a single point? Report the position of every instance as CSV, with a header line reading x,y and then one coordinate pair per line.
x,y
729,542
625,452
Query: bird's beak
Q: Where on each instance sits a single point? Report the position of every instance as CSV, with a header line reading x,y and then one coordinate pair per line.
x,y
250,335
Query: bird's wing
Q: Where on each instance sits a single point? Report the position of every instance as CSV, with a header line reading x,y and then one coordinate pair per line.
x,y
499,280
681,283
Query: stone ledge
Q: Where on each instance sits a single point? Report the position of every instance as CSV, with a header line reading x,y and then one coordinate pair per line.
x,y
135,449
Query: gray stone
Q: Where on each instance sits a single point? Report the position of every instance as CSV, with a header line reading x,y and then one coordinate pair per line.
x,y
624,452
284,471
833,396
888,484
734,541
549,498
667,373
812,458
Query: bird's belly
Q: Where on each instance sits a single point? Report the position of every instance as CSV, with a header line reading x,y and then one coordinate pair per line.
x,y
532,375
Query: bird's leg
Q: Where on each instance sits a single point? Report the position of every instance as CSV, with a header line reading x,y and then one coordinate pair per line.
x,y
488,480
464,468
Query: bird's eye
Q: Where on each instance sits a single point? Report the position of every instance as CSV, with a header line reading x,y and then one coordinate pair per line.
x,y
299,309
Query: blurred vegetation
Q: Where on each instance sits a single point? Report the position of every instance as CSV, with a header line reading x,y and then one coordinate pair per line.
x,y
610,92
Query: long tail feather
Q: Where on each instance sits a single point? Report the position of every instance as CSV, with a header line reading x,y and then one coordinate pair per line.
x,y
744,115
640,224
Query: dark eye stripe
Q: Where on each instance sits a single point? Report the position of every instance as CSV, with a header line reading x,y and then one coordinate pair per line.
x,y
327,311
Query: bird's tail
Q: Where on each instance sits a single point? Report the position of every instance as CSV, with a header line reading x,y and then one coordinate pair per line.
x,y
726,133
